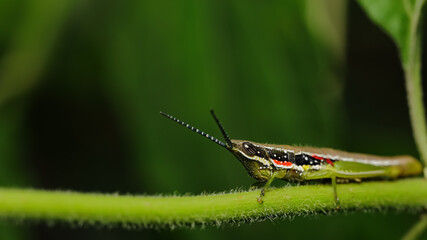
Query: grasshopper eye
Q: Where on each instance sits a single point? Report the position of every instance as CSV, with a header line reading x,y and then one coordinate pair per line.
x,y
249,148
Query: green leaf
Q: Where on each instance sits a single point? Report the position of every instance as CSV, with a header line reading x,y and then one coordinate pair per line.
x,y
395,18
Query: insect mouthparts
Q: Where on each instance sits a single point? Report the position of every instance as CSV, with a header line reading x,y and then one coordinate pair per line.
x,y
227,145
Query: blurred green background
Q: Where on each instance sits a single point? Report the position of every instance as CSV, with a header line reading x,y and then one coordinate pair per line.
x,y
82,84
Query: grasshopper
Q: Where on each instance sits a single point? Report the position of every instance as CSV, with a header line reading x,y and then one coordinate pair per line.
x,y
266,162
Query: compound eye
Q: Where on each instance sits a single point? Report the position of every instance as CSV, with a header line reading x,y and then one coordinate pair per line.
x,y
249,148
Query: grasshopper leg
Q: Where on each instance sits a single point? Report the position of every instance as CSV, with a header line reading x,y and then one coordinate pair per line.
x,y
334,189
265,188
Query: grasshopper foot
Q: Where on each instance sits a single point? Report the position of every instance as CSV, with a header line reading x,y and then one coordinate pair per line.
x,y
337,203
261,196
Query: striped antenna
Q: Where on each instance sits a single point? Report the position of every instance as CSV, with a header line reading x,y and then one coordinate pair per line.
x,y
196,130
224,133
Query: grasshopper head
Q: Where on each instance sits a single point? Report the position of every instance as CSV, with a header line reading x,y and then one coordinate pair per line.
x,y
253,157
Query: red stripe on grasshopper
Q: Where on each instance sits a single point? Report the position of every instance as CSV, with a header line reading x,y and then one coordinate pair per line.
x,y
323,159
287,164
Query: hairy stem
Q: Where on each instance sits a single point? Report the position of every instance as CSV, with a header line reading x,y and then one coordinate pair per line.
x,y
175,211
413,83
417,229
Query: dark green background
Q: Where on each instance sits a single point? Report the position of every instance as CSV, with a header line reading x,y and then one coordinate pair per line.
x,y
79,108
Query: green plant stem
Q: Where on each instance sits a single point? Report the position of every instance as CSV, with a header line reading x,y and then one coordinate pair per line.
x,y
417,229
415,100
175,211
413,83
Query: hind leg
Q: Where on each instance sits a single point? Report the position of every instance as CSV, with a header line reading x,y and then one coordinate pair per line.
x,y
334,189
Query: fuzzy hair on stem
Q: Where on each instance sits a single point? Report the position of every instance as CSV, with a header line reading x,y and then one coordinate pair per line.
x,y
112,210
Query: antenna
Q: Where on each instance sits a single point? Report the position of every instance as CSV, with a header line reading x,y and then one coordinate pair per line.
x,y
224,133
198,131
